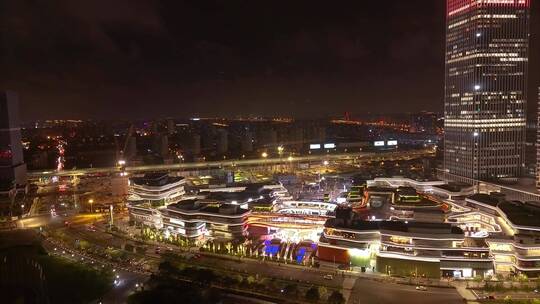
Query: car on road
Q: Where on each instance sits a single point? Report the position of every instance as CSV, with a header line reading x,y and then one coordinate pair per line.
x,y
328,277
421,288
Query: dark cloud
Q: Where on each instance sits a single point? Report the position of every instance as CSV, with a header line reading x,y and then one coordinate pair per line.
x,y
144,58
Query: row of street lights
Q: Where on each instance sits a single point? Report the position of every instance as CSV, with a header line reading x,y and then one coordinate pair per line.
x,y
280,150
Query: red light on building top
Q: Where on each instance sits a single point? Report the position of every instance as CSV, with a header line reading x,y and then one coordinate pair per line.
x,y
6,154
454,7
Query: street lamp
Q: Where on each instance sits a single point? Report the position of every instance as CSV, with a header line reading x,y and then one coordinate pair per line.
x,y
91,202
264,155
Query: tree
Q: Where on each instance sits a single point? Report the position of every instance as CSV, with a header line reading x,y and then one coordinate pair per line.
x,y
167,268
312,294
228,246
204,276
323,292
83,244
290,289
239,279
336,298
228,281
478,280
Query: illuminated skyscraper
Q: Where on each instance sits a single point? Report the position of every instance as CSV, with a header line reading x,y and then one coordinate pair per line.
x,y
538,144
487,45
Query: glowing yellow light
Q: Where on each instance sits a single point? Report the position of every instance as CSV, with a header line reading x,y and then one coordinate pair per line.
x,y
355,252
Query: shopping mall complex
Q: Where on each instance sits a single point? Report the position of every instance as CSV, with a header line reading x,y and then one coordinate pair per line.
x,y
402,227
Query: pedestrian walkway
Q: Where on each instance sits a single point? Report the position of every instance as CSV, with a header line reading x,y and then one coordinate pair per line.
x,y
348,285
465,293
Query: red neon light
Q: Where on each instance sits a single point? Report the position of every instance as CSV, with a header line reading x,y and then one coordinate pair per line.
x,y
6,154
454,7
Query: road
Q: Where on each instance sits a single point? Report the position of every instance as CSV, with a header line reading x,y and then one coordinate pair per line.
x,y
363,290
50,221
127,285
364,156
374,292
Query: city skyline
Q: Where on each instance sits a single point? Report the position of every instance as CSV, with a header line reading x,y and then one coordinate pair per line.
x,y
235,151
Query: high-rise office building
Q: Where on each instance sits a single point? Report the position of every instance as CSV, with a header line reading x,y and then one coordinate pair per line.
x,y
12,166
487,45
538,144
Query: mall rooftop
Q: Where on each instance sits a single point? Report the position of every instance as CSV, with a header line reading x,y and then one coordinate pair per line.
x,y
402,226
156,179
517,212
522,213
194,206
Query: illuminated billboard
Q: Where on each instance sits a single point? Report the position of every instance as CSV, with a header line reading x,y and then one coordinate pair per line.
x,y
314,146
379,143
329,146
391,143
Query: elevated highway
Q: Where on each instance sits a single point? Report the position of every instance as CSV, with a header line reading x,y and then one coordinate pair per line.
x,y
358,156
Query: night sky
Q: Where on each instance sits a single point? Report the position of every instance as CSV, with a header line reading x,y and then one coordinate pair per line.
x,y
172,58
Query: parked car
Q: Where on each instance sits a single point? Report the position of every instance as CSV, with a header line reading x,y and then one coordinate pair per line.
x,y
421,288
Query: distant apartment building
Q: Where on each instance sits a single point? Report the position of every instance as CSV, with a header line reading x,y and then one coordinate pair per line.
x,y
487,45
222,141
423,122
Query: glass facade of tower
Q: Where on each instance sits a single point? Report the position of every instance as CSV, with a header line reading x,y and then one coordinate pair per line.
x,y
538,144
486,87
